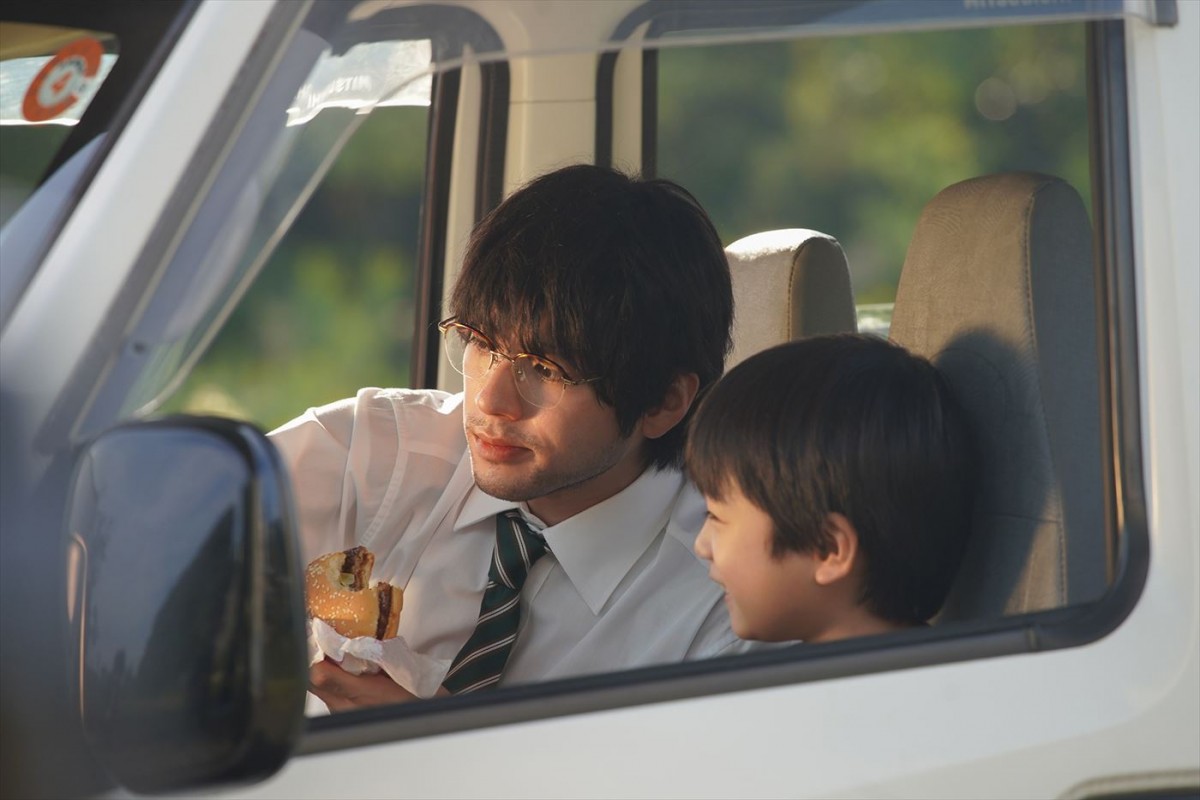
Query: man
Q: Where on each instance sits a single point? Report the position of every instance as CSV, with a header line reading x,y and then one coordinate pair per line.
x,y
591,312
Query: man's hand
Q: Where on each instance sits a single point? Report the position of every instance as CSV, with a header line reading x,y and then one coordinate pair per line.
x,y
342,691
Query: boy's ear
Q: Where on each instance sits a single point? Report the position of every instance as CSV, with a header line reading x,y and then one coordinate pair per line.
x,y
675,404
839,560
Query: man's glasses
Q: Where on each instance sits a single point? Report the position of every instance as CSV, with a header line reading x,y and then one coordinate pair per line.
x,y
539,380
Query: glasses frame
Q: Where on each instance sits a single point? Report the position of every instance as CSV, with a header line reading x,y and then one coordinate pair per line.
x,y
451,323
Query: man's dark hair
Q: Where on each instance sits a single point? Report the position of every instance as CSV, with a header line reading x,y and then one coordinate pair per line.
x,y
621,278
852,424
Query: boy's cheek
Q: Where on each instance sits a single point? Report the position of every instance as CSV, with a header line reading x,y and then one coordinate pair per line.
x,y
737,620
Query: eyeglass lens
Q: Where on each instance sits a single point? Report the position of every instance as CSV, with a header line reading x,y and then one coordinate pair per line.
x,y
472,358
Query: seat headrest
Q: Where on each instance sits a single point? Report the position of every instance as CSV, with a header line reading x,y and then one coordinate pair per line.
x,y
787,284
997,290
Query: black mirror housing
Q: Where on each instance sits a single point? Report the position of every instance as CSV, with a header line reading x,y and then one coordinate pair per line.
x,y
186,604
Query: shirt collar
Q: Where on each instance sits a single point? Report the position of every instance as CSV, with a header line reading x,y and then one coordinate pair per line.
x,y
598,546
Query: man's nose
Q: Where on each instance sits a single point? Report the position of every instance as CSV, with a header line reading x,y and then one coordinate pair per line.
x,y
498,395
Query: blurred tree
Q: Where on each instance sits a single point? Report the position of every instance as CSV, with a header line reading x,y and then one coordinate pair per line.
x,y
332,310
853,135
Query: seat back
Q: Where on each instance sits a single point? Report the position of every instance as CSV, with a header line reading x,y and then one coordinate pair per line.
x,y
998,290
787,284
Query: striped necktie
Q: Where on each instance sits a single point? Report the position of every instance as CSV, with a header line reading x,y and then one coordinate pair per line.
x,y
480,662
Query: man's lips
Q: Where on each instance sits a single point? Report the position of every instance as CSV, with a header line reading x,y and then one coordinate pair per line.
x,y
498,448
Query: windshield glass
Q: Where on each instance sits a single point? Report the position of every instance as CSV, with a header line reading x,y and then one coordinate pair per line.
x,y
368,76
48,78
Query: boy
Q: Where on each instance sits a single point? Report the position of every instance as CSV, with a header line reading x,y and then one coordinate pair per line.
x,y
838,475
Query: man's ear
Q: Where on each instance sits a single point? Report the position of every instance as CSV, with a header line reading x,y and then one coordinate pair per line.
x,y
838,561
675,404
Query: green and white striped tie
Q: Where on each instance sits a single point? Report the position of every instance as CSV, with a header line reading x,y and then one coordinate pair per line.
x,y
480,662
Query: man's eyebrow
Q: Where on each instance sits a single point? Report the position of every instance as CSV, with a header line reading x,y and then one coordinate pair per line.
x,y
521,346
498,339
536,345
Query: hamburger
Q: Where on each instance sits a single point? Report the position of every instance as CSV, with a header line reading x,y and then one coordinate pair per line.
x,y
338,590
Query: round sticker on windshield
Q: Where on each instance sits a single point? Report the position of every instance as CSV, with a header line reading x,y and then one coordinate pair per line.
x,y
62,81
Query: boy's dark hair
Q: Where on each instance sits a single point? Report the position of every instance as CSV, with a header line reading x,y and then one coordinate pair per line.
x,y
623,279
852,424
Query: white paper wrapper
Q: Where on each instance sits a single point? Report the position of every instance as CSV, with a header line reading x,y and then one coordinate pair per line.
x,y
416,672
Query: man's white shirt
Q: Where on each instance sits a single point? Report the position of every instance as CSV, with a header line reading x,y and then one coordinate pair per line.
x,y
389,469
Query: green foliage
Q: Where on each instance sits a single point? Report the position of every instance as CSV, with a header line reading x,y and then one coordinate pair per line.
x,y
852,136
25,153
332,310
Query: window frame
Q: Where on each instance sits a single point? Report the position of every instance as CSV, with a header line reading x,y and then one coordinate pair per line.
x,y
489,180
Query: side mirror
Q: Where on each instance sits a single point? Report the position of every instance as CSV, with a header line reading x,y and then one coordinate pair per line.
x,y
186,604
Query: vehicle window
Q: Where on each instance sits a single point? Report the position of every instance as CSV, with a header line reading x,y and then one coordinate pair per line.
x,y
307,318
332,310
851,136
67,77
49,75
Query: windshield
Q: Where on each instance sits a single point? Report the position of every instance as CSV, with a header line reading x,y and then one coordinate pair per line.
x,y
49,76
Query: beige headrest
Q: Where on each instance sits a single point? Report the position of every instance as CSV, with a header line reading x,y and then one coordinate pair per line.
x,y
787,284
998,291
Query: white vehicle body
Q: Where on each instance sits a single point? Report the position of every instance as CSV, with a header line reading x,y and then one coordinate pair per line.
x,y
1116,714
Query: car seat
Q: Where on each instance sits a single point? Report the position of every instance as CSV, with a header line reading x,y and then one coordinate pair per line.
x,y
998,291
787,284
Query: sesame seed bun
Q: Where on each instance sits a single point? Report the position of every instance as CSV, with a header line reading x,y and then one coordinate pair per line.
x,y
337,589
